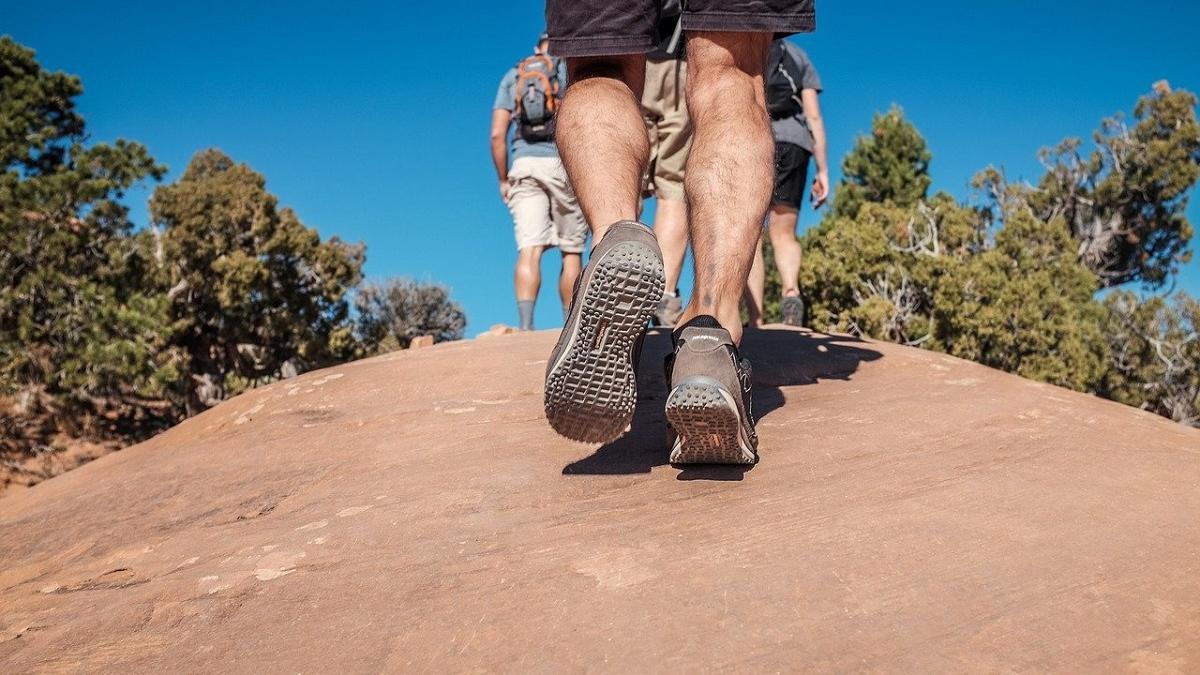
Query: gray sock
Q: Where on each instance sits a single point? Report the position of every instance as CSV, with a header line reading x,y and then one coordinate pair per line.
x,y
525,311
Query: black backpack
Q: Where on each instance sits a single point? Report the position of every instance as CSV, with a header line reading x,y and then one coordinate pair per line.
x,y
783,83
536,94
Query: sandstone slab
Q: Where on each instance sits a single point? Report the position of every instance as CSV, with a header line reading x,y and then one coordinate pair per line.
x,y
414,512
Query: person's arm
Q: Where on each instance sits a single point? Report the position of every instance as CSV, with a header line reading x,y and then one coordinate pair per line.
x,y
812,113
499,139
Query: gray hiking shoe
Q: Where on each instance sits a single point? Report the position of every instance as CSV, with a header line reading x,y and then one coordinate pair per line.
x,y
709,404
591,377
791,310
668,310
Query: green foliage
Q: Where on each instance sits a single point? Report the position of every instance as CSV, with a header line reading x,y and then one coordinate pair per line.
x,y
110,334
1024,306
1012,285
1125,202
1155,346
77,318
391,314
773,285
890,165
254,293
875,275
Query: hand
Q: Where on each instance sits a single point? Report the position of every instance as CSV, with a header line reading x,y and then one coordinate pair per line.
x,y
820,189
504,190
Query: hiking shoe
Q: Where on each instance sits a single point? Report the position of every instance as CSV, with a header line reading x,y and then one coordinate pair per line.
x,y
791,309
668,311
591,377
708,408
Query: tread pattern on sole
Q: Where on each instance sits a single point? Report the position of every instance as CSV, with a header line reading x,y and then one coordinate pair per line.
x,y
591,391
791,313
705,420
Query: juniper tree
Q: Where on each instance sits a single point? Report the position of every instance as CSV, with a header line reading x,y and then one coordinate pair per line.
x,y
889,165
254,293
1155,346
79,321
1024,305
1125,201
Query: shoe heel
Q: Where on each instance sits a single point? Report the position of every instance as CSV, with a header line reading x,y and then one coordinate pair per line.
x,y
707,425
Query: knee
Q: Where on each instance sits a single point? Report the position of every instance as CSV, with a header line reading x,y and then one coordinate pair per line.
x,y
706,92
782,223
529,256
727,67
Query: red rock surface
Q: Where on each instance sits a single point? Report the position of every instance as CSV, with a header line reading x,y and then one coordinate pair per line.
x,y
911,512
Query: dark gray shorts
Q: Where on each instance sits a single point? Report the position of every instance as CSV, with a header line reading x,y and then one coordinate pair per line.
x,y
608,27
791,174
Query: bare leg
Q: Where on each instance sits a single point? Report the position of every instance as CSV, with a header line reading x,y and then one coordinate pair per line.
x,y
671,230
729,171
787,250
571,266
602,138
528,276
754,288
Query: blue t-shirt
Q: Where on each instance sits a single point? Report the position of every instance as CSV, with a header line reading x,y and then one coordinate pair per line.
x,y
506,100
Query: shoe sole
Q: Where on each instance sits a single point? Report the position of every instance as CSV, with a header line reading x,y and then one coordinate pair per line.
x,y
707,424
793,316
591,390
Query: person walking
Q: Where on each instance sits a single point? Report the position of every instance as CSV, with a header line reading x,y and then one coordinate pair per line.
x,y
533,182
793,86
590,389
664,107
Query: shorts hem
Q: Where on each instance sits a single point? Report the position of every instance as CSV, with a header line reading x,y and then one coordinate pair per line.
x,y
531,244
739,22
603,45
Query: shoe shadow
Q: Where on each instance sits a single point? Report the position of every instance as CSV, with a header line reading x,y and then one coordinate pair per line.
x,y
780,357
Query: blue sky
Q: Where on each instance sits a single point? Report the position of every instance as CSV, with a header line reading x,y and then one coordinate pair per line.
x,y
371,119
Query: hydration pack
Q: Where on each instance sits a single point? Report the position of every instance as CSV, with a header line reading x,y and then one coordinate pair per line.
x,y
536,95
783,83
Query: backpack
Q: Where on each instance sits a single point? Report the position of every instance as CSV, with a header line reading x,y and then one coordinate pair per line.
x,y
536,95
783,83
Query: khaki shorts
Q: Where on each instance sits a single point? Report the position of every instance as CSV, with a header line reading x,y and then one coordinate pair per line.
x,y
670,128
543,206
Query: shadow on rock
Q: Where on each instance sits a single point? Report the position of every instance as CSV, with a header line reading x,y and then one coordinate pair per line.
x,y
780,358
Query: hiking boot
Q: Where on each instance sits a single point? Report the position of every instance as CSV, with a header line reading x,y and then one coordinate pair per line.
x,y
668,311
708,408
591,377
791,310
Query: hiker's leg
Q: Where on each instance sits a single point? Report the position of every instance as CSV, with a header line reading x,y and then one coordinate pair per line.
x,y
572,264
729,171
666,81
529,202
671,230
602,138
755,285
528,281
782,229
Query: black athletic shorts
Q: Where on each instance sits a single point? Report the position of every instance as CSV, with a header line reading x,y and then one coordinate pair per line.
x,y
791,174
607,27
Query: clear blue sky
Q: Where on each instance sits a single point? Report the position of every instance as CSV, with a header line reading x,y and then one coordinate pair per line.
x,y
371,119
